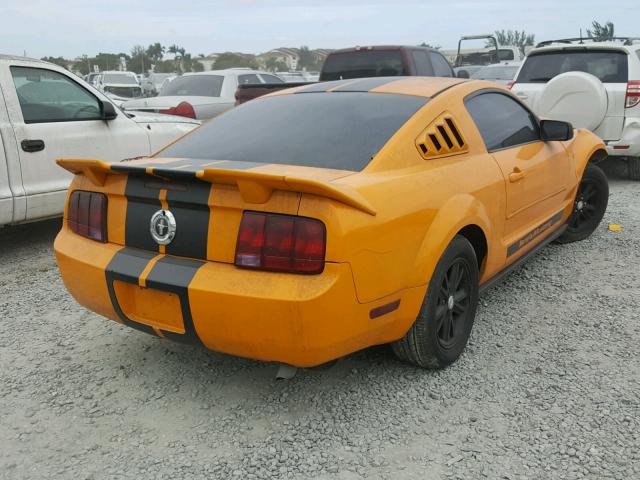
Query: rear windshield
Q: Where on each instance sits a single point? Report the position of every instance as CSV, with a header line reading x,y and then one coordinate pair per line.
x,y
194,85
363,63
119,78
341,130
495,73
609,66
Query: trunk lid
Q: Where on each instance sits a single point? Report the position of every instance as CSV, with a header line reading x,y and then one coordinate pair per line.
x,y
207,199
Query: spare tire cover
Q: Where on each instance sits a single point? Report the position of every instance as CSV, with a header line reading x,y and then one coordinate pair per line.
x,y
576,97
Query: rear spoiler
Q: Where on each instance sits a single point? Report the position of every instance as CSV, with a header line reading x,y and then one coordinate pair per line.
x,y
255,187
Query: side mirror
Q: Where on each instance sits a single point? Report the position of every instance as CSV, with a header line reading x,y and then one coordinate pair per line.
x,y
462,74
108,111
555,130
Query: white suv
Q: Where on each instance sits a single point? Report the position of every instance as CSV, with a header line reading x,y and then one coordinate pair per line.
x,y
593,85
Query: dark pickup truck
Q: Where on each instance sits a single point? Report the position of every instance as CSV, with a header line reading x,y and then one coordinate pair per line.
x,y
363,62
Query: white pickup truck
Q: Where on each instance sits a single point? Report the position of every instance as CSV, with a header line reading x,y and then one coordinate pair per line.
x,y
47,113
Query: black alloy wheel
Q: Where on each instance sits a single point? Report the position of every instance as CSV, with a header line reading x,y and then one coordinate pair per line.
x,y
589,205
453,303
442,328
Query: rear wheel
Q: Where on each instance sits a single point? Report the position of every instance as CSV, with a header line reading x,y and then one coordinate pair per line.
x,y
589,206
441,331
634,168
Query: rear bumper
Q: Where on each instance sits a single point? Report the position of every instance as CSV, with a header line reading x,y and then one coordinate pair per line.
x,y
295,319
629,143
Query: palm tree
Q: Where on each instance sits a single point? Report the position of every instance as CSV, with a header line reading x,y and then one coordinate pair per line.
x,y
601,32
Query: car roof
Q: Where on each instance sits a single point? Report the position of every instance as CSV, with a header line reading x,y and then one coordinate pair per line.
x,y
417,86
381,47
23,59
562,46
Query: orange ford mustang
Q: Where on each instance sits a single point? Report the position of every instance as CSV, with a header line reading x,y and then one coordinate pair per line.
x,y
306,225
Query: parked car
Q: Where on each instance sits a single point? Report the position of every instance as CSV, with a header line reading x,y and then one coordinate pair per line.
x,y
119,86
466,71
594,85
202,95
316,222
298,76
91,78
49,113
153,83
361,62
491,52
502,73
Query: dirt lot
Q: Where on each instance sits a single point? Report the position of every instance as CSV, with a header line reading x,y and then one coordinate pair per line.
x,y
548,388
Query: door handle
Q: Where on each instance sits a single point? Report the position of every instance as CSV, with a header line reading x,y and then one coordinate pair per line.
x,y
32,145
516,175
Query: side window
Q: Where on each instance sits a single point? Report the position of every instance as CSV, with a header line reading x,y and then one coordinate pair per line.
x,y
502,121
48,96
248,79
270,78
421,61
441,67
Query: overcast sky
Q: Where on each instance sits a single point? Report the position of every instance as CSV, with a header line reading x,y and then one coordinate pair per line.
x,y
71,28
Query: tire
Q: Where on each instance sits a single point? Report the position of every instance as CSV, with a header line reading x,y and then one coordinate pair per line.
x,y
633,165
429,343
589,206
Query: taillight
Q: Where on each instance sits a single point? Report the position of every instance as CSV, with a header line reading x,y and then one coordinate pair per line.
x,y
87,215
183,109
510,84
282,243
633,94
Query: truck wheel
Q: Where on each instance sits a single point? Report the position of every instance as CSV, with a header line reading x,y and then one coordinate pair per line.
x,y
441,331
589,206
633,164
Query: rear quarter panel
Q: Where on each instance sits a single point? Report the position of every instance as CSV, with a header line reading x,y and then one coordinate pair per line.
x,y
421,205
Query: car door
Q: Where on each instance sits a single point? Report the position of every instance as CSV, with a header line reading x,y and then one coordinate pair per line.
x,y
53,115
536,173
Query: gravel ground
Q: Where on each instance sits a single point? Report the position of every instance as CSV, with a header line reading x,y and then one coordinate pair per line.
x,y
548,388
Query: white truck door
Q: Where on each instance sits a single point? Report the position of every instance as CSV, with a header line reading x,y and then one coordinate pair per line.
x,y
55,115
6,197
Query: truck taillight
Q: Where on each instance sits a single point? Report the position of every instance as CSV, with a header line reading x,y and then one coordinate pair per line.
x,y
282,243
87,215
183,109
510,84
633,94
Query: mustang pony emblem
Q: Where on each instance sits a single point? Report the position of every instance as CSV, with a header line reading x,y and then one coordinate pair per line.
x,y
163,227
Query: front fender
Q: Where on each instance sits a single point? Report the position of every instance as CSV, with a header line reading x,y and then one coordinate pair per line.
x,y
458,212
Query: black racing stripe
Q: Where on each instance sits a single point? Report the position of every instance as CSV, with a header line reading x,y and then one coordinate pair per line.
x,y
533,234
171,274
127,265
190,207
183,173
142,203
367,84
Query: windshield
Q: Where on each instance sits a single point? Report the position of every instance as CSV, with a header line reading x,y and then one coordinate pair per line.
x,y
341,130
119,78
194,85
362,64
610,66
496,73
